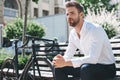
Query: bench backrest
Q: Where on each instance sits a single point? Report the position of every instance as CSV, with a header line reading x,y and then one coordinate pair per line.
x,y
45,56
61,47
115,43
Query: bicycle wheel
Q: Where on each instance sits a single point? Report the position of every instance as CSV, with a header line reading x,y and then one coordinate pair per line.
x,y
31,73
8,70
27,75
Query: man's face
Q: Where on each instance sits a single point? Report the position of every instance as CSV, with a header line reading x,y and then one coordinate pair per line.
x,y
73,17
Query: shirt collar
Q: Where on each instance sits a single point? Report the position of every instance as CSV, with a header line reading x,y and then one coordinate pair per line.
x,y
83,29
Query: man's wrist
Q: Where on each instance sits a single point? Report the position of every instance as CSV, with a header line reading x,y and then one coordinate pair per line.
x,y
68,63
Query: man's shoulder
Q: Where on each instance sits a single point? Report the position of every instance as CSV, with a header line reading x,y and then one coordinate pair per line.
x,y
90,25
93,28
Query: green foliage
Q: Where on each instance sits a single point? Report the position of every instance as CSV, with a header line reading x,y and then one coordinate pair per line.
x,y
21,60
109,29
35,30
107,20
15,29
96,4
4,54
3,57
36,1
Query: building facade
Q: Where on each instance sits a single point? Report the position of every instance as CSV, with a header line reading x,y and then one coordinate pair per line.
x,y
10,9
1,21
1,12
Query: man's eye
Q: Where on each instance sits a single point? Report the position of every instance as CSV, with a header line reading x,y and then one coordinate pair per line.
x,y
72,13
67,14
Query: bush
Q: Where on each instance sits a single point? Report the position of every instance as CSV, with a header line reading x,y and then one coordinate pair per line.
x,y
96,4
21,60
4,56
110,30
35,30
107,20
15,29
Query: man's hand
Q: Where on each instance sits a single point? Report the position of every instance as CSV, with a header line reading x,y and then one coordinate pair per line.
x,y
59,61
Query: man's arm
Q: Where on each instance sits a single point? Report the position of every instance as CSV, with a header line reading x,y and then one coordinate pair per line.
x,y
59,61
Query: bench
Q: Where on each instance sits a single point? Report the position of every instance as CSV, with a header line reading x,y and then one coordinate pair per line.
x,y
45,57
60,48
115,43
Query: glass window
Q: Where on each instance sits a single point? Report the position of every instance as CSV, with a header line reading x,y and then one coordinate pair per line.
x,y
45,12
10,8
36,12
11,4
10,12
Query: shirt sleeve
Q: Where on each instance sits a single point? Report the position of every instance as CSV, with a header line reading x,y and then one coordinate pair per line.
x,y
70,49
94,52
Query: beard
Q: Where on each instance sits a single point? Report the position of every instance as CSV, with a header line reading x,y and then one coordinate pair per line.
x,y
73,22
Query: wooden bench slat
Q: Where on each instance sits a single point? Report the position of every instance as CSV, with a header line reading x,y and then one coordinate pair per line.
x,y
115,43
43,73
116,51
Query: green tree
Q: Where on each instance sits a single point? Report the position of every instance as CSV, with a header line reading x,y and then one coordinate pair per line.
x,y
96,4
15,29
36,1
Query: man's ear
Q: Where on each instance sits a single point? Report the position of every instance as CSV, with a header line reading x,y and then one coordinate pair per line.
x,y
81,14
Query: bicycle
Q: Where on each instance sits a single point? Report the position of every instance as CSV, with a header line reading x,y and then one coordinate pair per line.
x,y
11,72
32,66
26,74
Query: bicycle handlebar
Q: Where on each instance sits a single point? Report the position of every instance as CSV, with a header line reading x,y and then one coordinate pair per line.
x,y
34,38
37,38
16,41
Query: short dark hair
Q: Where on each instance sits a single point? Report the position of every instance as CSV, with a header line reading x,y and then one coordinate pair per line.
x,y
75,4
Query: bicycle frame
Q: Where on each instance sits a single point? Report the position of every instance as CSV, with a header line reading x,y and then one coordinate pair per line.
x,y
33,56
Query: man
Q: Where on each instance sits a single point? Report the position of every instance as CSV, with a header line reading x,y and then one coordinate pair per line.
x,y
98,62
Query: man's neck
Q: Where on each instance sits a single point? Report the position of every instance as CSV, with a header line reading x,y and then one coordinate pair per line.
x,y
79,26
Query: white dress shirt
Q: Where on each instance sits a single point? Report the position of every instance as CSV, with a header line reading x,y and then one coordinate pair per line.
x,y
93,43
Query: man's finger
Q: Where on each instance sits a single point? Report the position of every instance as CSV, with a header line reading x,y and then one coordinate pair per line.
x,y
59,56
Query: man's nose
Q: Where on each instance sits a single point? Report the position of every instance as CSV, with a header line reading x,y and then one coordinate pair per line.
x,y
69,17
